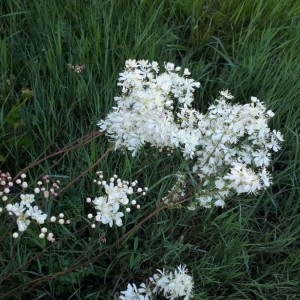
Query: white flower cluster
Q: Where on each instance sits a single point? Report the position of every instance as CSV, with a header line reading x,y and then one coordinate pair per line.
x,y
171,285
25,210
144,113
234,150
229,147
108,206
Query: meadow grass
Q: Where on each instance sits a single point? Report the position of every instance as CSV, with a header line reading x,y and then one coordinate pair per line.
x,y
250,249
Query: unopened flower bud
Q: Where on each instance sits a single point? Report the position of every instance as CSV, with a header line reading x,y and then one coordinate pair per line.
x,y
24,185
44,230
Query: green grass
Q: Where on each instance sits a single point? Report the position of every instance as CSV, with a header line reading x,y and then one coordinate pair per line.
x,y
249,250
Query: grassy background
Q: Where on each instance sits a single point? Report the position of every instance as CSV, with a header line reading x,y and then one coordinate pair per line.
x,y
251,249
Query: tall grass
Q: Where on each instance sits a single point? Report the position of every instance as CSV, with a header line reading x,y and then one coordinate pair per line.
x,y
249,250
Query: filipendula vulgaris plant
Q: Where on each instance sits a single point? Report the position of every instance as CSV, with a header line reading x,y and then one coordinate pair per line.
x,y
228,149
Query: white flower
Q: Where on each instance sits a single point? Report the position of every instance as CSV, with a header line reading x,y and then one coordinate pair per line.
x,y
243,179
108,206
169,66
164,81
131,64
173,285
16,209
226,94
278,135
270,114
36,214
261,158
24,211
265,177
220,203
169,284
116,194
22,222
186,72
204,201
134,293
107,212
219,183
27,199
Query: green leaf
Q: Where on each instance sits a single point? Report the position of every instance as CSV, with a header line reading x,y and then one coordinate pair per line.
x,y
135,244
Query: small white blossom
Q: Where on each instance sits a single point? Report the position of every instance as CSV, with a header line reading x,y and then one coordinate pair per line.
x,y
27,199
135,293
220,203
36,214
226,94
